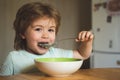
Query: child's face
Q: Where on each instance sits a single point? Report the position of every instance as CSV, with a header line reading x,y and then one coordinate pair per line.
x,y
41,30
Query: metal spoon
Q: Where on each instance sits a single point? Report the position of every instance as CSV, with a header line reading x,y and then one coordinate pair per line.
x,y
46,45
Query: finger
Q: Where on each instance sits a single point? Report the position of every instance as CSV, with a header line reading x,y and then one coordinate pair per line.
x,y
81,36
91,36
88,35
84,35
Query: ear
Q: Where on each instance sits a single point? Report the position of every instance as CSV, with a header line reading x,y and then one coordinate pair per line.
x,y
22,36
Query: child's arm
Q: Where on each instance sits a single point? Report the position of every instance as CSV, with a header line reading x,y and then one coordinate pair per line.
x,y
85,48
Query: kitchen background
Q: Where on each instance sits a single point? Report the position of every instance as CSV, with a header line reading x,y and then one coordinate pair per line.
x,y
106,28
76,15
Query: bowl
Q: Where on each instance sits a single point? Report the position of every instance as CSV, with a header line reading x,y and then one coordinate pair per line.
x,y
58,67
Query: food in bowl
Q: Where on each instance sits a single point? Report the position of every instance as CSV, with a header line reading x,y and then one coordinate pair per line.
x,y
58,67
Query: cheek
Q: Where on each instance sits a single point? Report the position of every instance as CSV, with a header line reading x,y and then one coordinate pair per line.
x,y
53,39
32,38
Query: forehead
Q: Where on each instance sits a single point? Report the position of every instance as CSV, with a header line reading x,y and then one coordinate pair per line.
x,y
46,21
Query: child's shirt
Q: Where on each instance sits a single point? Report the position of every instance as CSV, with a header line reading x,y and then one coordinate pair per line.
x,y
22,61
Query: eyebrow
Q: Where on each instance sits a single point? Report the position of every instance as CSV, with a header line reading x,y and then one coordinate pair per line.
x,y
42,26
52,26
36,25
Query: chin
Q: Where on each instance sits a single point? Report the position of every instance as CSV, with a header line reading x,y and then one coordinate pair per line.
x,y
38,52
42,52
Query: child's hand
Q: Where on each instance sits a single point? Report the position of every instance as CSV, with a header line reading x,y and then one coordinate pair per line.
x,y
85,48
85,36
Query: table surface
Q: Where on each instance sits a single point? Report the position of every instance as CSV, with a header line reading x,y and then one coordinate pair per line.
x,y
82,74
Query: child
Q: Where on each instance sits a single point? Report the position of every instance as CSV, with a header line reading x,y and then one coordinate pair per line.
x,y
36,26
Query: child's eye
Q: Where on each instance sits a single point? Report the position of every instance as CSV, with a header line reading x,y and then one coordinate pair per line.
x,y
38,29
51,30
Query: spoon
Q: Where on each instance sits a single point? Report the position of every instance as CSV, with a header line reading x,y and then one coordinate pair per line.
x,y
46,45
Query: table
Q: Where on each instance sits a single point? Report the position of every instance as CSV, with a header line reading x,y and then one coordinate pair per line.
x,y
82,74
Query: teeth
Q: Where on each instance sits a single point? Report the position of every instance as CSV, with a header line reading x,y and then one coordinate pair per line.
x,y
44,45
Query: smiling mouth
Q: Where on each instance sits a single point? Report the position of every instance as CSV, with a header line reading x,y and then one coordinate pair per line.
x,y
44,45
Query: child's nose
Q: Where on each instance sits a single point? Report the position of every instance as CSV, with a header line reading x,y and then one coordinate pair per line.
x,y
45,35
